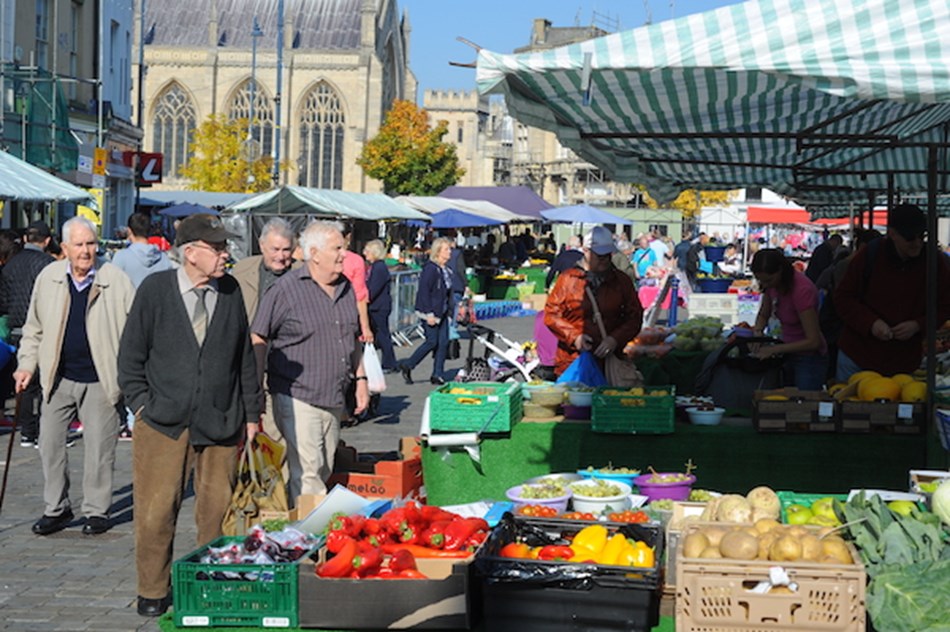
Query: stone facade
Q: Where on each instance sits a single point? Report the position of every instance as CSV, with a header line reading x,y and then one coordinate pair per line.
x,y
344,62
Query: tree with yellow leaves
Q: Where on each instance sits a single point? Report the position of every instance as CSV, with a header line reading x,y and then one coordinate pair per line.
x,y
408,155
690,203
221,160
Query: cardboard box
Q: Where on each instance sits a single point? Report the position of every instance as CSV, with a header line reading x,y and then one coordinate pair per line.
x,y
881,417
374,475
916,477
538,301
803,411
441,602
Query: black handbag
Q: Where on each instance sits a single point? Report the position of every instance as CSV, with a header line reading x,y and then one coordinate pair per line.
x,y
454,350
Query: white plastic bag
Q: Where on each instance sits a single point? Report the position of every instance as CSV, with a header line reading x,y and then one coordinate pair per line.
x,y
374,369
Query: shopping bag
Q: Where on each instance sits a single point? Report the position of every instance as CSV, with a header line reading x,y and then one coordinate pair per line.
x,y
453,350
622,372
584,369
259,487
374,369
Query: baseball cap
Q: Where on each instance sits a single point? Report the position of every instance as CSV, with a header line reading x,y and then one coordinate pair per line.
x,y
40,229
202,227
908,220
600,241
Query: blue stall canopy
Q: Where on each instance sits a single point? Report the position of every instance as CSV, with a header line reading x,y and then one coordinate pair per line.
x,y
582,214
521,200
454,218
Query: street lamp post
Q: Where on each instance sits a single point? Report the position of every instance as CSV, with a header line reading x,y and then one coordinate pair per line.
x,y
255,33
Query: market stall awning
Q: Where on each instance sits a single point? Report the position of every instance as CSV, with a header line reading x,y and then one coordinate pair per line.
x,y
820,102
520,199
481,208
211,199
22,182
454,218
772,215
179,211
582,214
329,203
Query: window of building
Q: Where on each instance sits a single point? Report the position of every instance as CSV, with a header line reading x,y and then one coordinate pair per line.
x,y
42,33
320,156
262,127
460,133
173,127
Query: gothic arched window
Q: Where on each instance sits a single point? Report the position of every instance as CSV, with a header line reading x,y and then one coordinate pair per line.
x,y
262,127
173,126
320,159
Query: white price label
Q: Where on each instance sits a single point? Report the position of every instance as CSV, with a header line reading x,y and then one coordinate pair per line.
x,y
493,398
905,411
194,620
826,409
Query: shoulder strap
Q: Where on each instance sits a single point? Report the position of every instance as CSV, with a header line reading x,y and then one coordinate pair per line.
x,y
597,317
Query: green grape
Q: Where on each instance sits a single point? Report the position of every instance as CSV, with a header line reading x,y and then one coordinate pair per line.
x,y
700,495
662,505
546,489
597,488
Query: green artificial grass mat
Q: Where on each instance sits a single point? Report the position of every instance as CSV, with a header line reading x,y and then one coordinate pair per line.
x,y
730,458
167,624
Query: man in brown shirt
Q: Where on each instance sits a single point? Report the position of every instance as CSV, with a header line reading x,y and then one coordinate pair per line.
x,y
308,327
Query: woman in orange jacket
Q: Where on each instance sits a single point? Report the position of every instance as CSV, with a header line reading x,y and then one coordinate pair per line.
x,y
570,315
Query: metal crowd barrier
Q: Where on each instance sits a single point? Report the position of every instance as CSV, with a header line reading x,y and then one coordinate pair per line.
x,y
403,324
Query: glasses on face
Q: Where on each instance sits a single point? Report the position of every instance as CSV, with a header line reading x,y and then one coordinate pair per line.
x,y
217,249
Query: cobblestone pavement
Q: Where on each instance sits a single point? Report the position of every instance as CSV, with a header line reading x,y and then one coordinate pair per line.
x,y
75,583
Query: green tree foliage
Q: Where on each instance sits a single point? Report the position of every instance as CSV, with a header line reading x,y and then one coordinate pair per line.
x,y
408,156
220,159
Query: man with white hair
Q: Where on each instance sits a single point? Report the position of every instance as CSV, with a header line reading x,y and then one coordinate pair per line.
x,y
187,370
308,329
71,335
256,274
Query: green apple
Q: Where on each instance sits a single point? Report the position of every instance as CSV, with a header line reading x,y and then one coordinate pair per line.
x,y
823,521
902,507
825,507
797,514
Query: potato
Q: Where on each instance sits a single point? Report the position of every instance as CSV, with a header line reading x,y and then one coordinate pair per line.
x,y
764,525
714,535
812,550
765,543
836,548
785,549
694,544
711,553
739,545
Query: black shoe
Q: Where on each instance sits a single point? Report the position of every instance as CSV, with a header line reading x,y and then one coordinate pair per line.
x,y
96,525
51,524
406,373
390,371
437,380
27,442
153,607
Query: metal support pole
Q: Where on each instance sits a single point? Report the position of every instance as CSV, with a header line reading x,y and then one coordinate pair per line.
x,y
139,117
280,72
933,254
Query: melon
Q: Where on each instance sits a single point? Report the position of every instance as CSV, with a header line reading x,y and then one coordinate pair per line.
x,y
861,375
902,378
914,392
875,388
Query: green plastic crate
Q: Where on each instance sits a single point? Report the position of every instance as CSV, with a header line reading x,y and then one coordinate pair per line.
x,y
628,413
798,498
269,600
471,410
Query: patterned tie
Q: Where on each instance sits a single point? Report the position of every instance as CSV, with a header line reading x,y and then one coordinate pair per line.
x,y
199,320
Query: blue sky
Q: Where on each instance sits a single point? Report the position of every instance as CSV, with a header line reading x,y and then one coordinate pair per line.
x,y
503,25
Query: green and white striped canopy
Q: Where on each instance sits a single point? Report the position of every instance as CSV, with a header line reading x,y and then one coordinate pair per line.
x,y
22,182
819,100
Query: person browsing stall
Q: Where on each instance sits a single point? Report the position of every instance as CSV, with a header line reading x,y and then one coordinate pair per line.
x,y
433,305
569,313
792,298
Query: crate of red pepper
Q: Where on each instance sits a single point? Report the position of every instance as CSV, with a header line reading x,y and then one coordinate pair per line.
x,y
425,550
561,575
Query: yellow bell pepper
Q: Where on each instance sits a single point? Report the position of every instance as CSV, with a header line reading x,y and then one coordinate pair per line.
x,y
592,539
613,549
644,556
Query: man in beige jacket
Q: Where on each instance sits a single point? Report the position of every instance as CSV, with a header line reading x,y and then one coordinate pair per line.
x,y
71,335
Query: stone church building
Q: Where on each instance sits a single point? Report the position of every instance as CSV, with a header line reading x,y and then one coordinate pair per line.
x,y
344,62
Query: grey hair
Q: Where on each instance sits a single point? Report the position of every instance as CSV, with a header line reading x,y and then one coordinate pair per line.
x,y
280,227
624,245
78,221
315,235
376,247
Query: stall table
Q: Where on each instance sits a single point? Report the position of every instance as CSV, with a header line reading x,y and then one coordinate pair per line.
x,y
730,457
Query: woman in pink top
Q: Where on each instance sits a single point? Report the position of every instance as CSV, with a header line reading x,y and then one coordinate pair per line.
x,y
792,298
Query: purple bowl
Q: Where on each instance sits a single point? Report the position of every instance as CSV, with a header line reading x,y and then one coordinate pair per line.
x,y
559,502
576,412
664,491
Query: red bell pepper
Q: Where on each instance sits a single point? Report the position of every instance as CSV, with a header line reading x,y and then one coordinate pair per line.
x,y
372,526
378,539
402,560
336,540
475,540
341,564
421,551
394,520
434,535
431,514
515,550
461,530
351,525
555,552
367,561
411,573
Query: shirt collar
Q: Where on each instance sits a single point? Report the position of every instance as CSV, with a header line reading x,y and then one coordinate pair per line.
x,y
185,285
86,282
